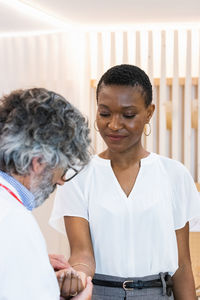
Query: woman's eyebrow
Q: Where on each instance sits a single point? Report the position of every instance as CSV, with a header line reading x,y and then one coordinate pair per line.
x,y
129,107
103,105
123,107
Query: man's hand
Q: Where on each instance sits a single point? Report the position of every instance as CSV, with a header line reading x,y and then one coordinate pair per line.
x,y
58,262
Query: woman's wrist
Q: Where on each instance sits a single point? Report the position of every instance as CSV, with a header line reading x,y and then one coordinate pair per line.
x,y
84,265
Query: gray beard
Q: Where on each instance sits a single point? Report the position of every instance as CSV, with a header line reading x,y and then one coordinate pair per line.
x,y
41,187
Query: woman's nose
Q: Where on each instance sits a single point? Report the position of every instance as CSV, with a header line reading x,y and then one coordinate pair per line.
x,y
115,123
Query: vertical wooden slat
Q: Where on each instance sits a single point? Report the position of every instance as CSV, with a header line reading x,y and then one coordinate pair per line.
x,y
131,47
112,49
84,77
187,105
125,48
3,66
149,139
175,101
13,48
138,50
163,96
92,118
198,132
42,48
99,143
92,97
100,61
100,68
138,64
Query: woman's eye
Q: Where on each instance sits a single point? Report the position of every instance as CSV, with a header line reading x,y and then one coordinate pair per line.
x,y
129,116
104,114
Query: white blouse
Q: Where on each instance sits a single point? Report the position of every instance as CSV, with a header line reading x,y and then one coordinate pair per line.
x,y
134,235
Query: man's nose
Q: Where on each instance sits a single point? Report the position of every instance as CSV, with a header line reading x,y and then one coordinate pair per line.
x,y
60,181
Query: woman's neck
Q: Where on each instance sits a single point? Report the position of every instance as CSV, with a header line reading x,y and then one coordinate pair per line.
x,y
126,158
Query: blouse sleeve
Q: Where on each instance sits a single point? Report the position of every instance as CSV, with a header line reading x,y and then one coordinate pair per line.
x,y
69,201
186,199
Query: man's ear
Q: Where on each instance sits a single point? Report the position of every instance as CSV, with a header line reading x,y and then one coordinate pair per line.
x,y
37,165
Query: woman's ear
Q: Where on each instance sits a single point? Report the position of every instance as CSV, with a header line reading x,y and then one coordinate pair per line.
x,y
150,111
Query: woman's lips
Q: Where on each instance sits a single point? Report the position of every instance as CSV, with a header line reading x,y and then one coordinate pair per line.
x,y
115,137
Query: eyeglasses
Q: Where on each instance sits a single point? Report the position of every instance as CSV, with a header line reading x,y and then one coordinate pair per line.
x,y
70,173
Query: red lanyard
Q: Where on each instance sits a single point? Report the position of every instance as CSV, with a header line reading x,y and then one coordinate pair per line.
x,y
10,192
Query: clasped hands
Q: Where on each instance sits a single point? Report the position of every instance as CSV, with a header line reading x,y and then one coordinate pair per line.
x,y
72,283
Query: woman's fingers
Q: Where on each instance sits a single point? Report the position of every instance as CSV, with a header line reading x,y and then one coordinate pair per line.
x,y
71,284
83,278
86,294
60,277
80,285
74,283
66,287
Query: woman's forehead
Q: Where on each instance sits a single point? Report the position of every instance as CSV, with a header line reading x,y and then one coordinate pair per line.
x,y
125,96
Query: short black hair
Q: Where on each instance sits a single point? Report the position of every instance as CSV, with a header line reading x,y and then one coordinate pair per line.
x,y
129,75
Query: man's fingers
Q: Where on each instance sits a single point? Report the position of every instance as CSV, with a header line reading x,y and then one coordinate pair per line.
x,y
58,261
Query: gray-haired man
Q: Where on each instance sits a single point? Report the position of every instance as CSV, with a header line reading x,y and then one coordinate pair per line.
x,y
41,137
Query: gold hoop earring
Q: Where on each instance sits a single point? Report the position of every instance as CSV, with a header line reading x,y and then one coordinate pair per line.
x,y
145,131
95,127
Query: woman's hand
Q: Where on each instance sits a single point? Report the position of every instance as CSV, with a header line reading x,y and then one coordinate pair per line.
x,y
71,282
58,262
86,294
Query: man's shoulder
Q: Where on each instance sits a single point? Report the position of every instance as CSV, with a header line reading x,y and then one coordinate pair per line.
x,y
17,221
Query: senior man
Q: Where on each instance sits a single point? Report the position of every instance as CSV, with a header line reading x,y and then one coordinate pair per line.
x,y
41,137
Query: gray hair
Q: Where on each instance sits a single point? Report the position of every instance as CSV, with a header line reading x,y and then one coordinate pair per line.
x,y
40,123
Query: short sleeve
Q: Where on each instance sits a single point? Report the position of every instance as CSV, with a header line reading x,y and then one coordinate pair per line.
x,y
69,201
186,199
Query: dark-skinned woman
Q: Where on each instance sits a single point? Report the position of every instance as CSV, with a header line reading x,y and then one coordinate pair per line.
x,y
126,213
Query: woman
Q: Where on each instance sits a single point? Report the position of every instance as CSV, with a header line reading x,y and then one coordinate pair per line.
x,y
128,210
